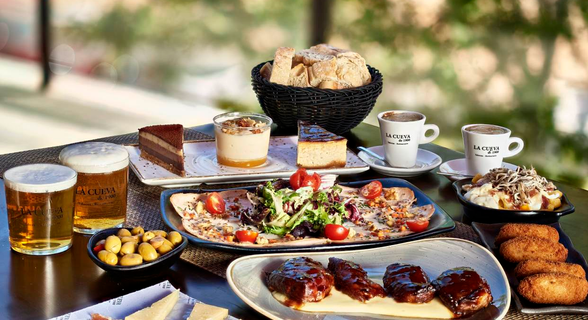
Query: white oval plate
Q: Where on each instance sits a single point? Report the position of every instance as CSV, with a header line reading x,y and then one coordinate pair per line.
x,y
460,167
426,161
246,275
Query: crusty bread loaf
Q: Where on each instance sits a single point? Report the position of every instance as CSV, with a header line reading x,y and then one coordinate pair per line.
x,y
334,84
327,49
266,71
299,76
282,65
321,71
351,68
310,57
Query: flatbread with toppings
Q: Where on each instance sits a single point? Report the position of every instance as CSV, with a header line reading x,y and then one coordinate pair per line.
x,y
279,214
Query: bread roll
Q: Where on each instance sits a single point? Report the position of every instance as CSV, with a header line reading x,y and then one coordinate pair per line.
x,y
351,68
333,84
282,65
310,57
327,49
321,71
266,71
299,76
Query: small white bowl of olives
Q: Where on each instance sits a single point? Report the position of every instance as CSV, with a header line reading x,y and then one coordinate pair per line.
x,y
120,250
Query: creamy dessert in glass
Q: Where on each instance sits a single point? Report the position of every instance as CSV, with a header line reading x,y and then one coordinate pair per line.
x,y
242,138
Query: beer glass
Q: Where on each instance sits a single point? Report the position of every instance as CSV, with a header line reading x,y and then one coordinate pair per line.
x,y
40,203
101,191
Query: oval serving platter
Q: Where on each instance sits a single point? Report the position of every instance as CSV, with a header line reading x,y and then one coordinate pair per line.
x,y
440,222
246,275
489,215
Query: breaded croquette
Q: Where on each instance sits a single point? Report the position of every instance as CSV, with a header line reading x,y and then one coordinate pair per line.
x,y
513,230
526,248
554,288
534,266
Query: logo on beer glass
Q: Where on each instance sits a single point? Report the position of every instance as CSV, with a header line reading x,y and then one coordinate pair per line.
x,y
487,151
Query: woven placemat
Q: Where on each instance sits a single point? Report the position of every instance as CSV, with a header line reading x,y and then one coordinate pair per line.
x,y
143,209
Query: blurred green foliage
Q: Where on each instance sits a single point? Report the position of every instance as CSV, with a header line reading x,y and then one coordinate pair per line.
x,y
497,35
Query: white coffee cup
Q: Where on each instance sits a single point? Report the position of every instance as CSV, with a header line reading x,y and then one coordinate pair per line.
x,y
402,132
485,145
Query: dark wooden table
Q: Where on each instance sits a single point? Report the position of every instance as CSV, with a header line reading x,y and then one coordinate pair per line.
x,y
49,286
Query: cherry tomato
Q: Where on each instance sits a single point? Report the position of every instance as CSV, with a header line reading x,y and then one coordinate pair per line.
x,y
417,225
98,248
246,235
371,190
297,178
313,181
215,203
336,232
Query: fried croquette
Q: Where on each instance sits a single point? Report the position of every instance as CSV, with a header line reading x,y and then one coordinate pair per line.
x,y
534,266
554,288
526,248
513,230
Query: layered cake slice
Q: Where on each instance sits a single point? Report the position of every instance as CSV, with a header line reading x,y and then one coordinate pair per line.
x,y
163,145
319,148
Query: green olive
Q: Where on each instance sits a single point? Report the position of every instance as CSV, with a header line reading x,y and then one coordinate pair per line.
x,y
124,240
165,248
156,242
160,233
148,236
123,233
137,230
128,248
112,244
107,257
174,237
132,259
147,252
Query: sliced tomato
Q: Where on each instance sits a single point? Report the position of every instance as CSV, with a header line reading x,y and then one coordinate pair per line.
x,y
215,203
417,225
313,181
297,178
371,190
336,232
246,235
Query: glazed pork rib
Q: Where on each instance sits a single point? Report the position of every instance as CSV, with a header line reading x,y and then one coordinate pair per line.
x,y
463,291
352,280
408,283
301,280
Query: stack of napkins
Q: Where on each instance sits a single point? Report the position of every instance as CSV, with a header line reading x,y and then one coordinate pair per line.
x,y
148,303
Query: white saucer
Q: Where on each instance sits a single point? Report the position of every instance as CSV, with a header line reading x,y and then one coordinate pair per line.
x,y
460,167
426,161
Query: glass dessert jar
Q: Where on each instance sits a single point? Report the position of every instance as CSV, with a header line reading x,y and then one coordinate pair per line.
x,y
242,139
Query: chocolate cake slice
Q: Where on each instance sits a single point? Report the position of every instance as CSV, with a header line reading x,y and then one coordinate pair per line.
x,y
163,145
319,148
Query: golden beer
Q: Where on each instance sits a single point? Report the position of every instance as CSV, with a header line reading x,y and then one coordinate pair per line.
x,y
40,205
101,191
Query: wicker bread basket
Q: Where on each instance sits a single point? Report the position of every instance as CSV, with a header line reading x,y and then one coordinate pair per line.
x,y
335,110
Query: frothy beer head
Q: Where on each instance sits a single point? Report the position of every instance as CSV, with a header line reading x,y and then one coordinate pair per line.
x,y
402,116
95,157
486,129
40,178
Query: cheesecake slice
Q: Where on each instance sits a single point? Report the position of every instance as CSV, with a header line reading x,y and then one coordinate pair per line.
x,y
319,148
158,310
163,145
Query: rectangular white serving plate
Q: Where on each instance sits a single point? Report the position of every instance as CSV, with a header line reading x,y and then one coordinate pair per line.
x,y
122,306
202,167
246,275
